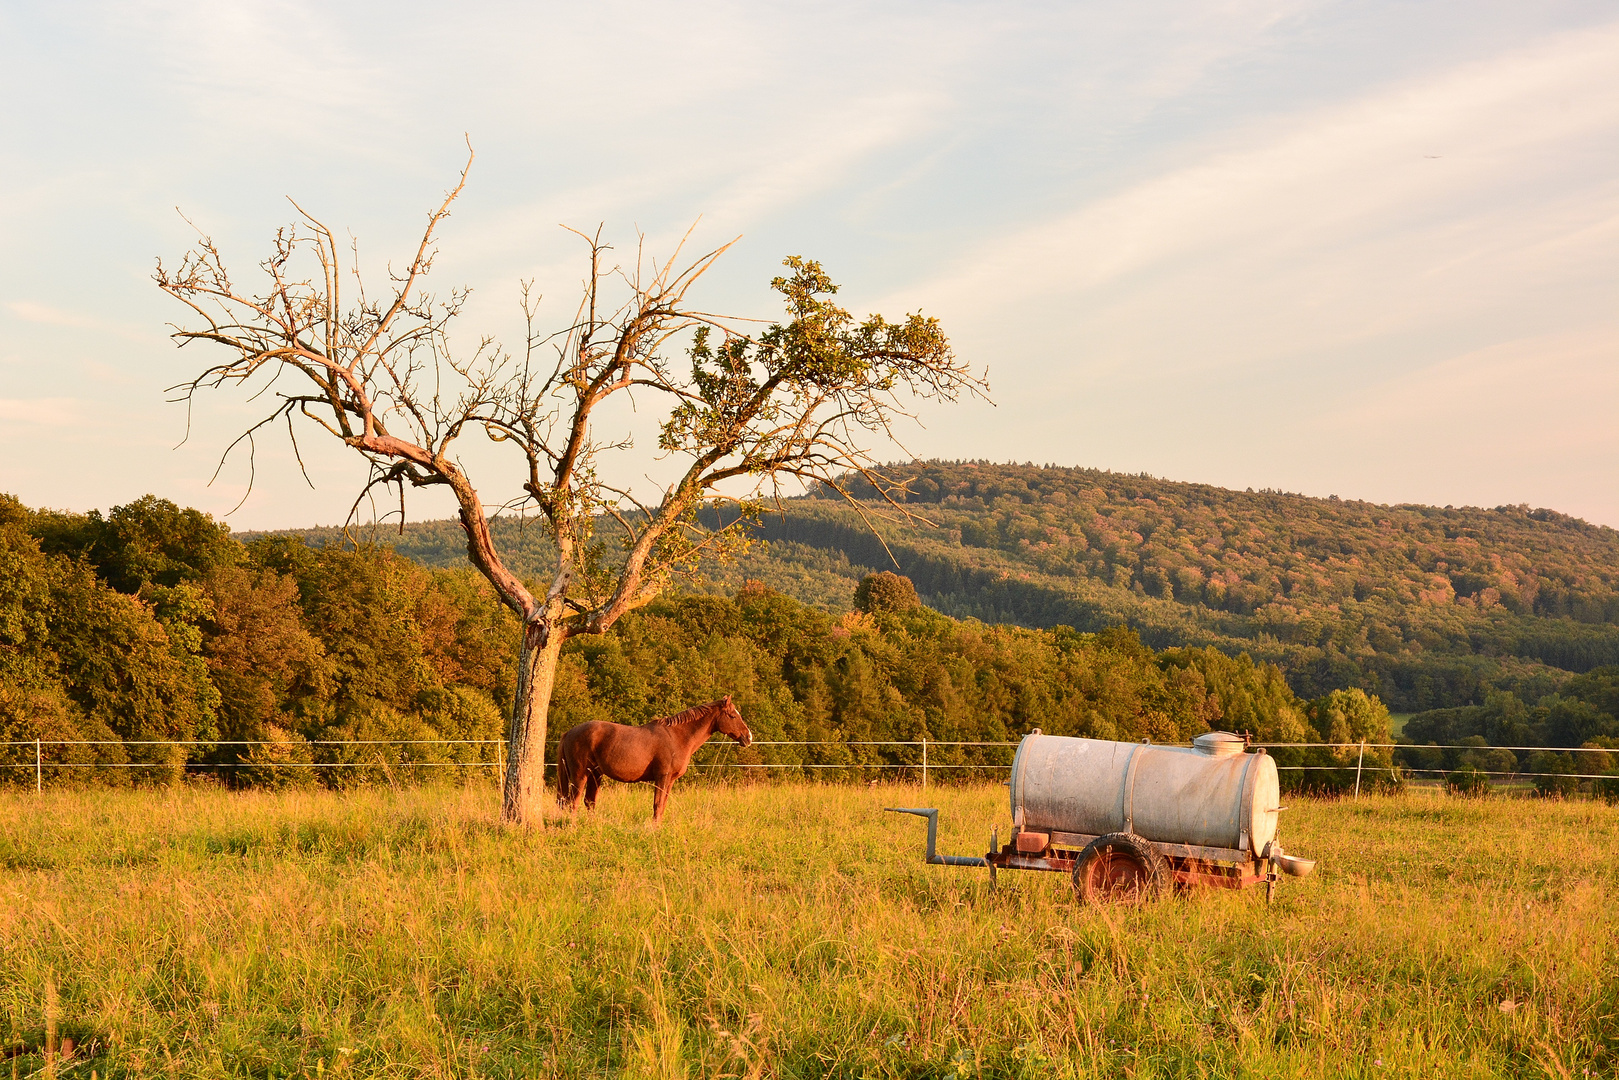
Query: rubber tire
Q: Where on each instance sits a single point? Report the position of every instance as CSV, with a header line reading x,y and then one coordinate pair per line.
x,y
1119,866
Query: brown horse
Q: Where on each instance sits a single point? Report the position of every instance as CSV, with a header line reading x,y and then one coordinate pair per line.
x,y
655,753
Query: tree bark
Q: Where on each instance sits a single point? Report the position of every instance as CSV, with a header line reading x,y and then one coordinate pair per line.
x,y
524,793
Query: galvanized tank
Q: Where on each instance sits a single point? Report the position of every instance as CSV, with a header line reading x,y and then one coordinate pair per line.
x,y
1210,794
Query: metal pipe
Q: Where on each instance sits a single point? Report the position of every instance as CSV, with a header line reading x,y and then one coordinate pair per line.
x,y
933,857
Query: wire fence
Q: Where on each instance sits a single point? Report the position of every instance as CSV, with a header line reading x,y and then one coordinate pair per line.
x,y
50,755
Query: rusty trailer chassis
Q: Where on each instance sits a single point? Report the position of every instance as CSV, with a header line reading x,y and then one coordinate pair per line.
x,y
1183,865
1188,865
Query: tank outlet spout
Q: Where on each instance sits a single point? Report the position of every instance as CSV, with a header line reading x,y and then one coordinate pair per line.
x,y
933,857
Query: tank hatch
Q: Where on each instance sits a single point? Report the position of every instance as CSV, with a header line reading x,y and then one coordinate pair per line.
x,y
1220,743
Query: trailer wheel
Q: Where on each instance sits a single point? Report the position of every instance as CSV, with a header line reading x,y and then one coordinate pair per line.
x,y
1119,866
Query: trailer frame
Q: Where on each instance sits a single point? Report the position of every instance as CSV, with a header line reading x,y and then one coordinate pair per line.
x,y
1189,865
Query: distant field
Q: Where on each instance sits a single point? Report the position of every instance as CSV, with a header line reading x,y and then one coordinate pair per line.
x,y
786,931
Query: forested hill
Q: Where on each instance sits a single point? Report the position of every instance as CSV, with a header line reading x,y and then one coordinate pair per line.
x,y
148,643
1424,606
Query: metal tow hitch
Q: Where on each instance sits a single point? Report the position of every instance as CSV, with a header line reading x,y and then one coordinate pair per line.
x,y
933,839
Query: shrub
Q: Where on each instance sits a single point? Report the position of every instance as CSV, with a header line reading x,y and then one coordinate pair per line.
x,y
1468,780
1554,773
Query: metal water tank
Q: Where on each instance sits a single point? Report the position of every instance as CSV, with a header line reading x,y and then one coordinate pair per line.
x,y
1210,794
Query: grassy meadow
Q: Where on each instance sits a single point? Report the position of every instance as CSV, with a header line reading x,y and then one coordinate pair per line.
x,y
783,931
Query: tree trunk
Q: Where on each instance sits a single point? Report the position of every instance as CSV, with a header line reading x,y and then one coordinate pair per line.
x,y
523,797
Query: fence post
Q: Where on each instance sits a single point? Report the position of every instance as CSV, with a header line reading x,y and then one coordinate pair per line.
x,y
39,769
1358,764
500,762
924,763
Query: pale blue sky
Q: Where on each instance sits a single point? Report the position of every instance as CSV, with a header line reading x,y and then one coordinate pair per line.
x,y
1363,249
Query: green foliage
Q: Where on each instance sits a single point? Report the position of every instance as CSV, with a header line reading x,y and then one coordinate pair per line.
x,y
161,554
1583,713
150,542
271,672
1554,773
794,377
298,646
154,624
1350,716
888,675
375,647
1255,698
26,584
277,647
1425,607
80,661
1468,780
885,591
888,670
120,665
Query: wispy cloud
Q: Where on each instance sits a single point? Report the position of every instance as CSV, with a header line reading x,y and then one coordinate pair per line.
x,y
29,311
1564,385
42,412
1185,237
264,70
1274,233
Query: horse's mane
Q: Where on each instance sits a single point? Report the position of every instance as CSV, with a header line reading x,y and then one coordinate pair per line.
x,y
690,714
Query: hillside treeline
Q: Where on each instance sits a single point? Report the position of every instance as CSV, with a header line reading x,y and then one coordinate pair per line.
x,y
153,624
1426,607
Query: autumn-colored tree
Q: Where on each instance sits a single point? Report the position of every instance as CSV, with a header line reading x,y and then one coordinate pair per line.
x,y
885,591
79,660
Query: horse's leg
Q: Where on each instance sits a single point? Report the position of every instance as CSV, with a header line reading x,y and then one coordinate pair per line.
x,y
565,788
593,783
660,797
578,785
562,776
574,784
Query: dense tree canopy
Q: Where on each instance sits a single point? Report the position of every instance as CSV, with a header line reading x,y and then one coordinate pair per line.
x,y
886,591
153,622
80,660
1424,607
1504,733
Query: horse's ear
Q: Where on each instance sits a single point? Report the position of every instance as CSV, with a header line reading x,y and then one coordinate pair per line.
x,y
727,699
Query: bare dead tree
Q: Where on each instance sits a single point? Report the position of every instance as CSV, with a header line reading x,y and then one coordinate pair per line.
x,y
744,412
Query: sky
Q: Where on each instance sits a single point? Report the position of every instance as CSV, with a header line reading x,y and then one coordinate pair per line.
x,y
1358,249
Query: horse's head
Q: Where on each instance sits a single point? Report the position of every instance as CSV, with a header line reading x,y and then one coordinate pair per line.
x,y
730,722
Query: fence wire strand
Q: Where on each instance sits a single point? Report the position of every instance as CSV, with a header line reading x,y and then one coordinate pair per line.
x,y
38,764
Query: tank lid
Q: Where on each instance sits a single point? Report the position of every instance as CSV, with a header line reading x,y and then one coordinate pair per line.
x,y
1220,743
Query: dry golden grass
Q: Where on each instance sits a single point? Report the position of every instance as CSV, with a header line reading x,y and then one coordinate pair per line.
x,y
785,931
